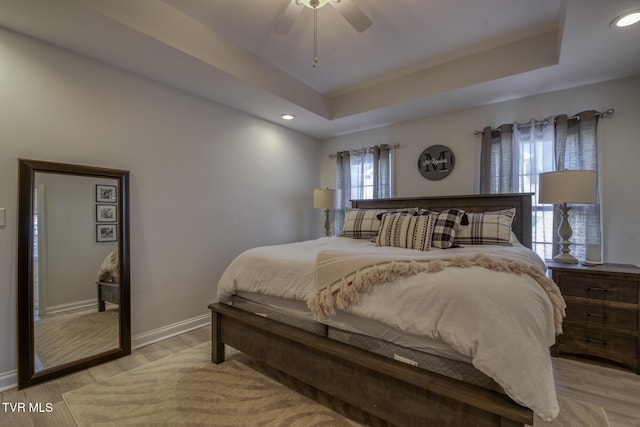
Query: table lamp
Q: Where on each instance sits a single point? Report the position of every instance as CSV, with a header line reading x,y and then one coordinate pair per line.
x,y
563,187
325,198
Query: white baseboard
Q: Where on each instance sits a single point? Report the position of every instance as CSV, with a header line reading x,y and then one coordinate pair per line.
x,y
146,338
76,305
9,380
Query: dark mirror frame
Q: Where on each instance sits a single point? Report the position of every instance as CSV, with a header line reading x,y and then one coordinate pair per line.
x,y
27,374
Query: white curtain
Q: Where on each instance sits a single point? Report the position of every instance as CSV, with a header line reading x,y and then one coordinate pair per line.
x,y
365,173
534,154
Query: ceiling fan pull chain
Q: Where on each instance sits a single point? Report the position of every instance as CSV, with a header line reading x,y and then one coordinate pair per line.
x,y
315,37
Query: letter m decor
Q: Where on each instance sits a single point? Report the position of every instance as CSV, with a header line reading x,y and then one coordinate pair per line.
x,y
436,162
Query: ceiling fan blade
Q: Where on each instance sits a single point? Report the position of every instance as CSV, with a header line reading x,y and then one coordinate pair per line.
x,y
352,13
288,17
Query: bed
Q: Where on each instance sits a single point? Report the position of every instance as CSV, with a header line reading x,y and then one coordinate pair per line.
x,y
322,345
107,283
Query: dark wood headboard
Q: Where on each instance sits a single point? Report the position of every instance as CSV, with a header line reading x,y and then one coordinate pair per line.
x,y
470,203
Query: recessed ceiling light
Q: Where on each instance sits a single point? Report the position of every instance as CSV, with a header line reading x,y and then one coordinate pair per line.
x,y
288,116
626,19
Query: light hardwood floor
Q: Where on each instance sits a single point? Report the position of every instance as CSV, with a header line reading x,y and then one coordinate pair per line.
x,y
617,390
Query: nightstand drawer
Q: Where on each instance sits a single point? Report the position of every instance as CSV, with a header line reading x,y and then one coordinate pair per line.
x,y
602,288
599,343
601,315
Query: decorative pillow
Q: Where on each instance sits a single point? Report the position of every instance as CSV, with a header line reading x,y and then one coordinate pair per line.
x,y
445,227
422,211
486,228
365,223
406,231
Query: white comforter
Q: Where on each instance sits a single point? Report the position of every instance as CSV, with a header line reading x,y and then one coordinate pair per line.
x,y
503,322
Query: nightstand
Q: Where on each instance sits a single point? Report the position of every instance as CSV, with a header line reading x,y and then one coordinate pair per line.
x,y
602,312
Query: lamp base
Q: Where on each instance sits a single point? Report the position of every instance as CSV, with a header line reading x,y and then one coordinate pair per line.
x,y
565,232
565,259
326,222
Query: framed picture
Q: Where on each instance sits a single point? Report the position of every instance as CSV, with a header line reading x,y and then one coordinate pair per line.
x,y
106,232
106,193
106,213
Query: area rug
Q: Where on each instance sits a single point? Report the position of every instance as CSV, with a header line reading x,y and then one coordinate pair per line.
x,y
187,389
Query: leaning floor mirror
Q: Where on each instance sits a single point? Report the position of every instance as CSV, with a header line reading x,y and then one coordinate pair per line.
x,y
73,268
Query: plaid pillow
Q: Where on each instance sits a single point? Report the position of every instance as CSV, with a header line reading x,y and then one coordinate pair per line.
x,y
486,228
406,231
445,227
365,223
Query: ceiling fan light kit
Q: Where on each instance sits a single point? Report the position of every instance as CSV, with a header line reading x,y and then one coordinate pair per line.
x,y
349,11
313,4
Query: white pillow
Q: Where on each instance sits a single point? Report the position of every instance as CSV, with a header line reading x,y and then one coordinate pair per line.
x,y
486,228
364,223
406,231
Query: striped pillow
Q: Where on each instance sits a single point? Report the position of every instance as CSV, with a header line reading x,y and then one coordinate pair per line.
x,y
445,227
406,231
486,228
365,223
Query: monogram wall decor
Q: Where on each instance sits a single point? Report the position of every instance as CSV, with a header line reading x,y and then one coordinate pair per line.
x,y
436,162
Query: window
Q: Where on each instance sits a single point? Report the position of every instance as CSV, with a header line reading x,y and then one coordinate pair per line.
x,y
513,155
363,174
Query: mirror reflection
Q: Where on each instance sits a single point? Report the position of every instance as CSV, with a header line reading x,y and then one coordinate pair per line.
x,y
75,267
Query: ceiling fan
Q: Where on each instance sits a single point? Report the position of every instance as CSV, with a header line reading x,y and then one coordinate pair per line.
x,y
349,11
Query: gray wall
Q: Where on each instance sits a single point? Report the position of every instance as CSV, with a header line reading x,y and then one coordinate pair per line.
x,y
207,182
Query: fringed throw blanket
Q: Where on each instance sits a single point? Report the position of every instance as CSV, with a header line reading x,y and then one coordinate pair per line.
x,y
109,269
342,277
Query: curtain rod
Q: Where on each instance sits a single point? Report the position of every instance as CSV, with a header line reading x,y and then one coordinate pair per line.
x,y
359,151
606,113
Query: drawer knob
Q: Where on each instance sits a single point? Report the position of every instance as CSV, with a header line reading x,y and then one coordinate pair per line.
x,y
603,316
591,288
590,340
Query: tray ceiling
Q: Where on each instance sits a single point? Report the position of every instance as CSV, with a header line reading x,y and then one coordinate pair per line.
x,y
418,58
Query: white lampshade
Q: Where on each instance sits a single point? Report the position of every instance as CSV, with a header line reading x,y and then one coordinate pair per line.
x,y
567,186
325,198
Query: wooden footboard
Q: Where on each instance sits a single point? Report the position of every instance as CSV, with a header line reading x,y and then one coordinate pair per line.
x,y
398,393
107,292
